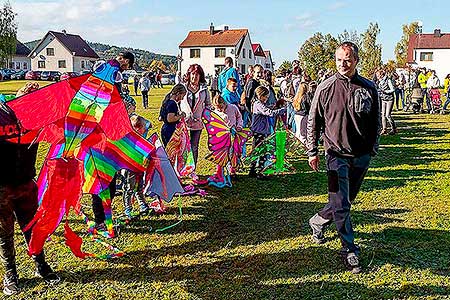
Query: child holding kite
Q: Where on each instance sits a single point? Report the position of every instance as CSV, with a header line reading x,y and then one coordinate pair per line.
x,y
133,181
261,124
170,112
232,118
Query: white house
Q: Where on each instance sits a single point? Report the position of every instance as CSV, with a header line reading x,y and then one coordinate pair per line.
x,y
209,49
269,64
431,51
60,51
262,57
21,61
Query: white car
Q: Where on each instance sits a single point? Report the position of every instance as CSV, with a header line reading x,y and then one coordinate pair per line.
x,y
167,79
278,80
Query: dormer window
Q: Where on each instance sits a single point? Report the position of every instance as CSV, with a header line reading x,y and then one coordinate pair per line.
x,y
50,51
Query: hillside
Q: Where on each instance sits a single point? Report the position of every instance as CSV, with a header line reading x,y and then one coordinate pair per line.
x,y
143,57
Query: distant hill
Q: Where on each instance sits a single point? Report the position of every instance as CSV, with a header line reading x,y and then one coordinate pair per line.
x,y
144,58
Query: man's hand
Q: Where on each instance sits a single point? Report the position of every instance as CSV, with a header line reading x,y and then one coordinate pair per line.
x,y
313,162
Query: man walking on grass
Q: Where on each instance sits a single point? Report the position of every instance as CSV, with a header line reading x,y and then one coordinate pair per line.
x,y
346,109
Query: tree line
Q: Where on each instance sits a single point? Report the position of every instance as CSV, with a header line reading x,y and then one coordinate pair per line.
x,y
317,52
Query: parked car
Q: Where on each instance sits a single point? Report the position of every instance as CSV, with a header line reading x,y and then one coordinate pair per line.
x,y
33,75
50,75
278,80
67,75
168,79
85,72
19,75
6,73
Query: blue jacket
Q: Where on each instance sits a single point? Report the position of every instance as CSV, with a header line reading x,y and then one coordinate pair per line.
x,y
230,97
223,77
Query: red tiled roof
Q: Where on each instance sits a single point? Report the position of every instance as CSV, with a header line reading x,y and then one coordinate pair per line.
x,y
203,38
427,41
257,49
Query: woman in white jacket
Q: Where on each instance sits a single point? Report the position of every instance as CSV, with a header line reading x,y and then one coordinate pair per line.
x,y
194,103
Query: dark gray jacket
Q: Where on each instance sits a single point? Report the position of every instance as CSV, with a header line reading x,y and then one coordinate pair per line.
x,y
347,111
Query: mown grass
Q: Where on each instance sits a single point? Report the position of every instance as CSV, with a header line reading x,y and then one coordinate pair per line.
x,y
253,242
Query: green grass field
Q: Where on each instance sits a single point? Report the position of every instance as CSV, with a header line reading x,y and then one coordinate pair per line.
x,y
253,241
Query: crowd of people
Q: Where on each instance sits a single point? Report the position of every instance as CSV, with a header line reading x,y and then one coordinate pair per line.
x,y
343,110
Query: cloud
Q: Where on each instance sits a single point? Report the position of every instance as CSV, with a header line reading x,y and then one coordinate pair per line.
x,y
155,20
337,5
36,18
305,21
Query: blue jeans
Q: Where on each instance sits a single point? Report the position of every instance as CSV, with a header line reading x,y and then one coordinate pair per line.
x,y
291,117
345,176
399,94
447,102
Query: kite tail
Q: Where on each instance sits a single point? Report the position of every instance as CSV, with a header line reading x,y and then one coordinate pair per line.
x,y
60,195
105,195
73,241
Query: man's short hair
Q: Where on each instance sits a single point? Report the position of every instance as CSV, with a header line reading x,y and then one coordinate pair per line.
x,y
229,60
130,56
350,46
231,80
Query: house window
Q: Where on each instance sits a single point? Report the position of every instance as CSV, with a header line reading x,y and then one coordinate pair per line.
x,y
195,53
11,65
243,53
426,56
17,65
220,52
50,51
61,64
83,64
267,66
25,66
243,69
41,64
250,54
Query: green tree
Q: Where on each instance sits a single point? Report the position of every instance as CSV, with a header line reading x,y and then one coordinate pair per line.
x,y
401,49
8,33
350,36
317,53
285,66
370,51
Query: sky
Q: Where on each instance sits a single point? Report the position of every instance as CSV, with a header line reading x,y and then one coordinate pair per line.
x,y
280,26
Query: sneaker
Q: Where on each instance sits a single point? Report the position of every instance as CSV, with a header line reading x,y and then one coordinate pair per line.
x,y
11,284
351,261
144,210
100,227
44,271
318,226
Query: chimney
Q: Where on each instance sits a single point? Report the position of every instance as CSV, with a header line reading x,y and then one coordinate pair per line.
x,y
225,28
211,29
437,33
64,31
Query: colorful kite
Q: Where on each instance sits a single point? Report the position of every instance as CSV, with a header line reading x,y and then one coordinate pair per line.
x,y
179,151
226,145
275,148
85,120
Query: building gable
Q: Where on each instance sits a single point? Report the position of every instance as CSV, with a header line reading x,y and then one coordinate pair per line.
x,y
214,38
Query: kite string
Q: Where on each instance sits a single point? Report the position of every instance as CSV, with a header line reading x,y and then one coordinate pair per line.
x,y
179,221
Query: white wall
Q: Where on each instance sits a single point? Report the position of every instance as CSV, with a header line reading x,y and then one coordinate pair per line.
x,y
207,59
77,63
23,62
51,62
440,63
240,60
